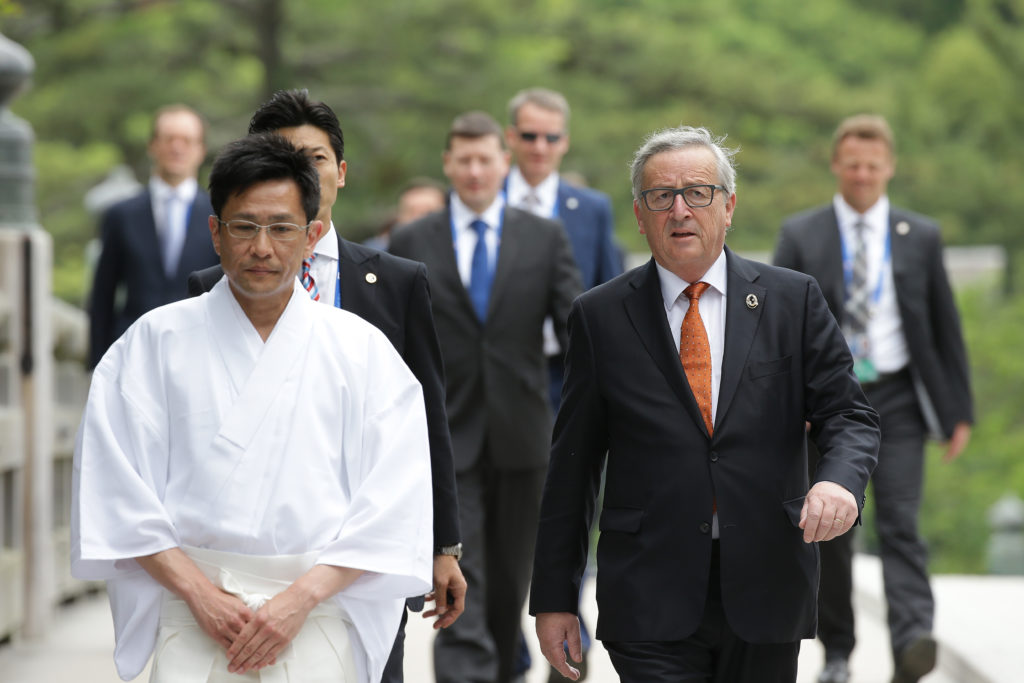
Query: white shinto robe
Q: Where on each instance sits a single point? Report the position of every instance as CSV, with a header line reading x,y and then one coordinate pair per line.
x,y
198,433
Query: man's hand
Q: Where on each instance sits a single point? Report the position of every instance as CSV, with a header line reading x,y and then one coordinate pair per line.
x,y
220,615
269,632
554,629
829,511
281,618
957,442
447,579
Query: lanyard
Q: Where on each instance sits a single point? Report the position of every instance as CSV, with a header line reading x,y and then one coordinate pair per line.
x,y
337,286
876,294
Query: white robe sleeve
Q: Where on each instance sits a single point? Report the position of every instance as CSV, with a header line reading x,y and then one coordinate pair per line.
x,y
120,468
388,528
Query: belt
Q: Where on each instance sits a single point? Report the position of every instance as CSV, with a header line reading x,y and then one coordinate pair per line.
x,y
887,378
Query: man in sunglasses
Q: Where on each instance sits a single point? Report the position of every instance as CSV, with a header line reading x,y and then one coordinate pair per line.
x,y
538,138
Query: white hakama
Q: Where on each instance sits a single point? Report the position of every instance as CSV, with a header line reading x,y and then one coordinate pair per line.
x,y
197,433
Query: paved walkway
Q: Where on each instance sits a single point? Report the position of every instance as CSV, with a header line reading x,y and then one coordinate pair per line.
x,y
979,624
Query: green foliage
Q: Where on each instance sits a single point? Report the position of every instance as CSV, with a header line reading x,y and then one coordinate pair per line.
x,y
776,75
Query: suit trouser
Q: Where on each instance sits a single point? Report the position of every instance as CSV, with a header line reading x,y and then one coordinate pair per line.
x,y
712,654
896,488
498,514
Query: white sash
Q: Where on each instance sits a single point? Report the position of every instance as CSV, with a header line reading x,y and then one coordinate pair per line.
x,y
320,651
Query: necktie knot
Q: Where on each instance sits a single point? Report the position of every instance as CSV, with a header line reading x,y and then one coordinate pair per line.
x,y
479,227
306,278
694,291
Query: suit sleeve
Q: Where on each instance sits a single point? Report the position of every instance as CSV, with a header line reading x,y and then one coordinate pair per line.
x,y
574,475
201,281
104,285
610,264
949,341
423,356
787,253
566,283
844,426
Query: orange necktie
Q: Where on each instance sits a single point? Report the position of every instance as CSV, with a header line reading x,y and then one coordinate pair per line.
x,y
695,352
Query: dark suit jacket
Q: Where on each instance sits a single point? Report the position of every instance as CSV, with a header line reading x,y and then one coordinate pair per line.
x,y
497,377
397,303
587,217
626,395
130,261
810,243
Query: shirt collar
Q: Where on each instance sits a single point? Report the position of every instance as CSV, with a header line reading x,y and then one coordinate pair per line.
x,y
672,285
462,215
328,243
876,217
186,189
546,190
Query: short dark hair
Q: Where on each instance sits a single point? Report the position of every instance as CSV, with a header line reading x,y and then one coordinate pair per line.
x,y
423,182
259,158
293,108
474,124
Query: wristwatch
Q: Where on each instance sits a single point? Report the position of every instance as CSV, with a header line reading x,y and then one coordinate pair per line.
x,y
453,550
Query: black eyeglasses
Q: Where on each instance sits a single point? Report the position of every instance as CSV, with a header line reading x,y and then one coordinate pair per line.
x,y
695,196
552,138
247,230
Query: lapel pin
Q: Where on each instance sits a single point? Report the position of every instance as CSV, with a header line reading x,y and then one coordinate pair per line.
x,y
751,301
572,203
371,277
903,227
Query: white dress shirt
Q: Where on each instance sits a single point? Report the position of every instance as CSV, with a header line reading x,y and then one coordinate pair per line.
x,y
887,346
712,314
546,193
325,266
171,217
466,237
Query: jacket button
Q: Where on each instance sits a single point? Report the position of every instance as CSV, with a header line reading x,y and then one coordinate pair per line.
x,y
705,527
714,456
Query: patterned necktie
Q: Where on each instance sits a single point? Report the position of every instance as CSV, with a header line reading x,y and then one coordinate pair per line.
x,y
695,352
531,203
858,298
480,272
307,278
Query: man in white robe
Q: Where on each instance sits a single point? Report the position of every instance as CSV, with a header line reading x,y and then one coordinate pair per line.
x,y
248,473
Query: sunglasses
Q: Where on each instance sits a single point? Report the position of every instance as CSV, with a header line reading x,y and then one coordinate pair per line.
x,y
552,138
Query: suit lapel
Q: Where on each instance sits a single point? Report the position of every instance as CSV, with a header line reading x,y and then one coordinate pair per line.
x,y
645,307
439,252
830,255
358,293
196,230
146,231
508,251
901,244
742,315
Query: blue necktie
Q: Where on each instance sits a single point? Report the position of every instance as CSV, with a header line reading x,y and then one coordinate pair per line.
x,y
480,273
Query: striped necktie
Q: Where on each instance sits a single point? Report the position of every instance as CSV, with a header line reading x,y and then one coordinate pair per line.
x,y
858,298
307,278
